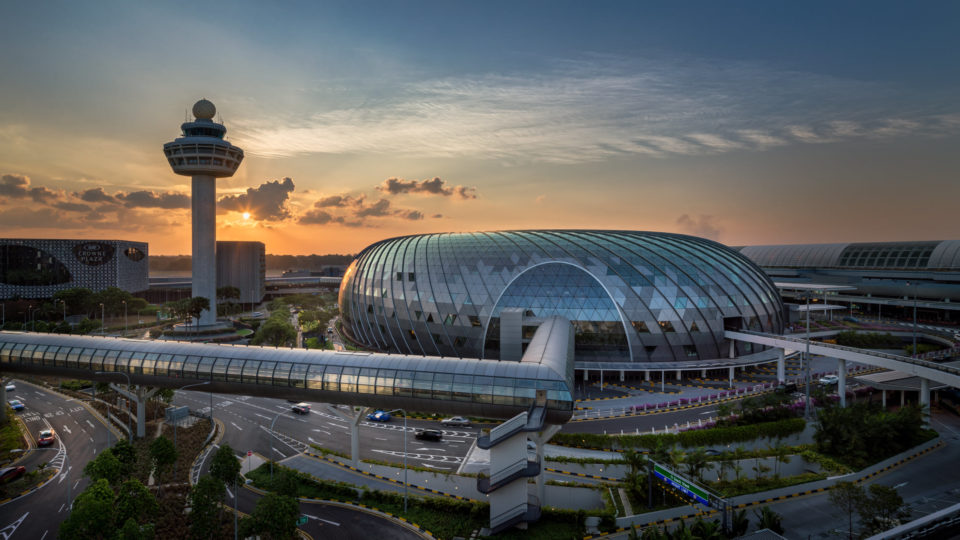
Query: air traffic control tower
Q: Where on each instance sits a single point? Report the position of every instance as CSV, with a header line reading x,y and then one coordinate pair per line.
x,y
203,154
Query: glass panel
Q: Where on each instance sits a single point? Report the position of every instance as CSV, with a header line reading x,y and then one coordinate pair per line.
x,y
442,385
109,362
366,382
235,371
348,380
73,357
462,387
503,391
298,375
205,369
281,375
423,385
175,367
5,352
385,380
315,377
85,358
483,389
61,360
331,378
250,370
190,366
37,355
525,392
51,354
265,373
163,363
149,361
123,361
219,372
96,360
136,361
26,356
404,383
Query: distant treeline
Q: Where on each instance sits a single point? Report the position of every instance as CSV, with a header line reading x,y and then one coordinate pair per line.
x,y
274,262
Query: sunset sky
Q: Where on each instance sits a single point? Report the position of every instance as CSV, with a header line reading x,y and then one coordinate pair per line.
x,y
745,122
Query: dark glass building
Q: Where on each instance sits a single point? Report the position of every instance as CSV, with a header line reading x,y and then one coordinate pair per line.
x,y
640,297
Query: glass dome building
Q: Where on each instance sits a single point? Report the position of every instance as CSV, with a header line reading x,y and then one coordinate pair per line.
x,y
652,300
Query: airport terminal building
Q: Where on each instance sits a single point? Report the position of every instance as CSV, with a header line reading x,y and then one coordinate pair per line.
x,y
37,268
637,300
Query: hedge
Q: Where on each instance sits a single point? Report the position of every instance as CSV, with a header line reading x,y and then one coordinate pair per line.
x,y
686,439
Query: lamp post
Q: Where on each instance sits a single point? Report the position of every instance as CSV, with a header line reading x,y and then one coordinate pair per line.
x,y
64,302
404,457
178,421
33,319
103,320
129,428
914,286
272,450
806,361
66,462
124,302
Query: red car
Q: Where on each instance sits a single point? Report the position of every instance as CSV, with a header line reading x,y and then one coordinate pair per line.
x,y
10,474
46,437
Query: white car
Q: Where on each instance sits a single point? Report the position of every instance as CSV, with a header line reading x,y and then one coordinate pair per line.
x,y
11,387
455,421
829,379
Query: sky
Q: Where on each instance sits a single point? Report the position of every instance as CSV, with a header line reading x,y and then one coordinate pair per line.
x,y
745,122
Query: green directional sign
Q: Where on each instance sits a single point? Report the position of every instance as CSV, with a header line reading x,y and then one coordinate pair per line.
x,y
302,520
685,486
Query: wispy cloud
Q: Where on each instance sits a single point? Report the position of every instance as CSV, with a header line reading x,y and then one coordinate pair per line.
x,y
579,111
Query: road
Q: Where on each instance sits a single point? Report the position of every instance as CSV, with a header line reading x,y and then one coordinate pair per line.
x,y
80,435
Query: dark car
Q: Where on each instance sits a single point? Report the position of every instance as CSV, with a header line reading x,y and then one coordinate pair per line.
x,y
301,408
10,474
429,435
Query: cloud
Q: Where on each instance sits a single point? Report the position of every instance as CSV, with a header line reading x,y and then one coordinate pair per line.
x,y
17,186
436,216
168,200
704,226
378,209
267,202
355,211
95,195
539,199
412,215
434,186
338,201
72,207
30,218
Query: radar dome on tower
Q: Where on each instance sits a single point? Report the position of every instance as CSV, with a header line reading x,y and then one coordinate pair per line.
x,y
204,110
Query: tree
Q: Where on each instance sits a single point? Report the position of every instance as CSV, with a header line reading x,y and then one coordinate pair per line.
x,y
93,514
205,499
274,518
228,292
846,498
87,325
79,300
163,454
781,455
768,519
225,467
134,501
696,462
196,306
132,530
739,454
275,332
126,454
106,467
739,524
706,530
881,509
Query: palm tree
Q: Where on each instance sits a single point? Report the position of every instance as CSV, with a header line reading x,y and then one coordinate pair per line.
x,y
769,520
739,454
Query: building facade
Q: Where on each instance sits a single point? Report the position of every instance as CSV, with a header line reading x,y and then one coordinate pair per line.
x,y
37,268
243,265
639,297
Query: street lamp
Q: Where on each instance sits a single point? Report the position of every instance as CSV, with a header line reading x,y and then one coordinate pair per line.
x,y
103,320
124,302
66,461
178,421
404,457
33,320
129,428
272,450
806,361
64,302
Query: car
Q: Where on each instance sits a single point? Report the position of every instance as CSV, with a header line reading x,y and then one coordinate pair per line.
x,y
455,421
379,416
10,474
829,379
46,437
851,319
301,408
429,435
787,388
11,387
17,405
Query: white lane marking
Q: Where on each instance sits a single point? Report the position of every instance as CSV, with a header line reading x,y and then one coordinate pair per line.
x,y
229,492
77,484
61,508
437,449
338,425
380,439
91,440
324,431
8,531
321,519
44,534
236,426
91,424
263,416
65,428
708,412
435,466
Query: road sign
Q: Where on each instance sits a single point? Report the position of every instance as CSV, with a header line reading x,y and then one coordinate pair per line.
x,y
249,453
302,520
685,486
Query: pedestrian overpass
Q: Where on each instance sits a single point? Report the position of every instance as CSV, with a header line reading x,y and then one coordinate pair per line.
x,y
533,395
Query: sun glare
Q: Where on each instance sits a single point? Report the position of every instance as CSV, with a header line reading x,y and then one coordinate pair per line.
x,y
246,215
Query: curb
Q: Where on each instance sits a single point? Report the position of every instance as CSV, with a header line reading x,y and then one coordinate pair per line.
x,y
218,425
84,404
358,506
31,490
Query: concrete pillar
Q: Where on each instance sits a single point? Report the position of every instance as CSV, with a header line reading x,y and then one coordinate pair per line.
x,y
679,375
601,379
663,381
842,383
781,367
703,374
622,377
925,400
730,376
544,436
204,267
139,395
586,375
355,438
883,399
646,375
903,398
733,349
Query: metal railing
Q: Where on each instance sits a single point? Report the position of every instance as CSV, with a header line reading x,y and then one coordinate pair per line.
x,y
508,428
507,472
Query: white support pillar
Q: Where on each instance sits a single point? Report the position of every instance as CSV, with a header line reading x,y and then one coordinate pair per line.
x,y
733,349
679,375
353,417
842,382
703,374
663,381
541,440
204,268
903,398
586,375
781,367
730,376
139,395
883,399
925,400
646,375
601,380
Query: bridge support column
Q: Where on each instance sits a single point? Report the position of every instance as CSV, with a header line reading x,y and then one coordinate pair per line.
x,y
601,380
586,375
139,395
733,349
540,440
730,376
925,400
842,382
353,418
781,367
646,375
703,374
883,399
622,376
903,398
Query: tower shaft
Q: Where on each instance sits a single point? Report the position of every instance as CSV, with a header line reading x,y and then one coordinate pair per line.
x,y
204,266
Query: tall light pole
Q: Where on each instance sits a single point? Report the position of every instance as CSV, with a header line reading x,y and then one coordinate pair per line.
x,y
272,450
103,319
914,287
404,457
806,361
64,302
124,302
33,320
178,421
129,428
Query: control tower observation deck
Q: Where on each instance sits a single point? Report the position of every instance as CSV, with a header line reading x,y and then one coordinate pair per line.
x,y
203,154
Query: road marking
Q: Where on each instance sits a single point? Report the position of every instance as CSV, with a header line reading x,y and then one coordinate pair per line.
x,y
328,433
65,428
437,449
61,508
229,492
8,531
91,440
378,438
435,466
708,412
263,416
323,520
236,426
91,424
77,484
44,534
338,425
900,485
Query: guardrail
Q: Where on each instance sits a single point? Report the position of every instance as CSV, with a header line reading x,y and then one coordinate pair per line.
x,y
511,469
507,428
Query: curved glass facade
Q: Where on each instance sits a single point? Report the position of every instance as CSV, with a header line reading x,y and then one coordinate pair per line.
x,y
632,296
